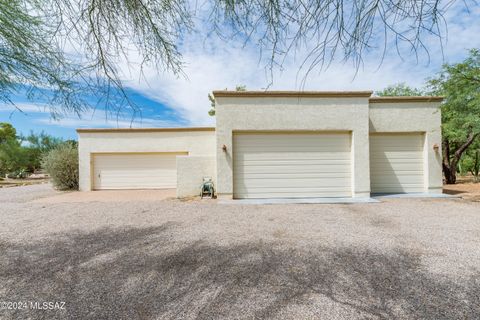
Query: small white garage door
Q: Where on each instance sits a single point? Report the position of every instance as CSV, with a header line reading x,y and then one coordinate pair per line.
x,y
397,163
135,171
278,165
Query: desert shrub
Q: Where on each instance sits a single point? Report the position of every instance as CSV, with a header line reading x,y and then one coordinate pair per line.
x,y
61,164
18,174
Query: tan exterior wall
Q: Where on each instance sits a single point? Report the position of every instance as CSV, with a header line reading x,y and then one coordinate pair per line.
x,y
293,114
190,173
404,117
281,112
197,142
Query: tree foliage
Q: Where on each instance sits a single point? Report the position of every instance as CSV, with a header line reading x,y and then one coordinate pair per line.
x,y
23,153
31,59
7,131
400,89
336,27
460,84
13,157
470,162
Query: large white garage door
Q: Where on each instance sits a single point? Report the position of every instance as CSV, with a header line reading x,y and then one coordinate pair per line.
x,y
135,171
396,163
278,165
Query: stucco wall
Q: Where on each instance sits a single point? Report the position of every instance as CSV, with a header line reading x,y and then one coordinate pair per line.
x,y
293,114
425,117
190,173
193,142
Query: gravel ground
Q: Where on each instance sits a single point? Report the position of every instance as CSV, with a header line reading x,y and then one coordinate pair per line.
x,y
402,258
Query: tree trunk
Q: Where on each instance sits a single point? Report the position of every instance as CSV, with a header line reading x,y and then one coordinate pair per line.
x,y
450,162
450,173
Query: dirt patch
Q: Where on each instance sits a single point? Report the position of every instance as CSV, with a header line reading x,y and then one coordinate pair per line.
x,y
8,183
110,196
465,188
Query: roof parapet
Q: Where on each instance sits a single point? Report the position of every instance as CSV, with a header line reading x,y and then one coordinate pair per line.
x,y
398,99
293,94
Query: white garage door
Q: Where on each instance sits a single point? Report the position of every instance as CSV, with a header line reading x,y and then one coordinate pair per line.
x,y
277,165
135,171
396,163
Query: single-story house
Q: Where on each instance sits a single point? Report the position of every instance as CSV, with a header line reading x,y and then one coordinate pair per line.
x,y
278,144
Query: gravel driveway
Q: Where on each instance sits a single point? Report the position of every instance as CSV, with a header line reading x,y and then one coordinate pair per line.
x,y
402,258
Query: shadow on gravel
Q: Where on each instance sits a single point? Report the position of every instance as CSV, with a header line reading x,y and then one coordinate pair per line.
x,y
141,273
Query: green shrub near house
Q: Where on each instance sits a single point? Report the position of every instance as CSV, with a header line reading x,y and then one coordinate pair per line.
x,y
61,164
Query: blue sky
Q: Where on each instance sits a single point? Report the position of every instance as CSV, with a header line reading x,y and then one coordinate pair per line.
x,y
35,116
213,64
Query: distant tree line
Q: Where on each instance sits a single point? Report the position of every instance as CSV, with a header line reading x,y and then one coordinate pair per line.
x,y
22,154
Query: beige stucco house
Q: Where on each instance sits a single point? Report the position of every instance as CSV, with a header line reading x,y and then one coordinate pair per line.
x,y
279,144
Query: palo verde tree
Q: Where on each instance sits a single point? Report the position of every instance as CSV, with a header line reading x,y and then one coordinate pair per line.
x,y
31,58
460,85
35,35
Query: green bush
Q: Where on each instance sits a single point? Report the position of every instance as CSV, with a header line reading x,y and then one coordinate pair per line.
x,y
18,174
61,164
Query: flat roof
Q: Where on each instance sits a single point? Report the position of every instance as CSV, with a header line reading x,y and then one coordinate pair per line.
x,y
292,94
326,94
96,130
406,99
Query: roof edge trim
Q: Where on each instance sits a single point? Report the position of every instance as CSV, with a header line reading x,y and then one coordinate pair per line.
x,y
406,99
103,130
292,94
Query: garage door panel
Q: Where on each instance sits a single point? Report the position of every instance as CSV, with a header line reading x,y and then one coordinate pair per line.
x,y
403,188
275,138
311,165
403,179
396,167
301,170
296,183
291,148
135,171
396,163
292,165
298,156
398,155
283,175
288,193
299,190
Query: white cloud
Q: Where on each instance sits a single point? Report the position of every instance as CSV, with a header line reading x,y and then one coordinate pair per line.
x,y
95,122
212,64
40,114
25,108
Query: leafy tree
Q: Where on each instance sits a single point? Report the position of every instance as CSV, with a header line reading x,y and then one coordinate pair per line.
x,y
460,84
470,161
34,34
36,145
211,112
7,131
12,156
23,153
400,89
